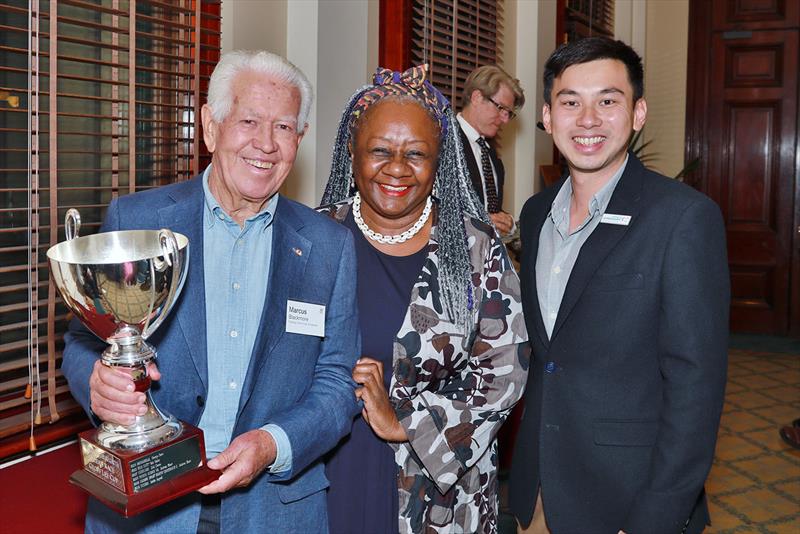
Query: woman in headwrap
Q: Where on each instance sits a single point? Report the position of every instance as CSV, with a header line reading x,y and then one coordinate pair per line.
x,y
443,338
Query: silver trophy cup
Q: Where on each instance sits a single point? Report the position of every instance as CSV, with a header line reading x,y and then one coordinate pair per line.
x,y
122,285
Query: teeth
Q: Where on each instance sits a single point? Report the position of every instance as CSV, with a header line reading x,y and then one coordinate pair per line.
x,y
588,141
259,164
395,188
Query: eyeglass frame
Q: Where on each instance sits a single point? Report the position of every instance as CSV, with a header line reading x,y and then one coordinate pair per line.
x,y
501,108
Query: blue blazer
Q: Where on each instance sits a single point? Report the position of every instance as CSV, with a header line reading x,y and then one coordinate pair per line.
x,y
624,399
301,383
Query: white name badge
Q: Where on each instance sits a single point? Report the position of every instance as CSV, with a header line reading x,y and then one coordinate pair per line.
x,y
612,218
305,318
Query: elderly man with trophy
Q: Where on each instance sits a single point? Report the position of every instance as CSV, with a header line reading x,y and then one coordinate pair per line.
x,y
248,299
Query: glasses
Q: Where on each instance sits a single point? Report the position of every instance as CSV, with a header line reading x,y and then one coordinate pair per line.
x,y
510,113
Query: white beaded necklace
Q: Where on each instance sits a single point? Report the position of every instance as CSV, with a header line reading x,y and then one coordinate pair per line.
x,y
389,239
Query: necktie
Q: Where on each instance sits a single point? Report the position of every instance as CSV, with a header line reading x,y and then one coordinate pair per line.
x,y
492,202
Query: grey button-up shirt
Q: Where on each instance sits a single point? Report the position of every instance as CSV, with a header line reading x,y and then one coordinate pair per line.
x,y
558,248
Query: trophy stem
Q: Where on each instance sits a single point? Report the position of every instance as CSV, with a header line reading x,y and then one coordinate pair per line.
x,y
154,426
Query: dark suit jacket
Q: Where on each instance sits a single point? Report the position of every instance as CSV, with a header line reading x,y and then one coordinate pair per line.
x,y
301,383
623,402
474,164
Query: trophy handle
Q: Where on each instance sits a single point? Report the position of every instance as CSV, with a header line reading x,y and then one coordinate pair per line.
x,y
72,223
170,251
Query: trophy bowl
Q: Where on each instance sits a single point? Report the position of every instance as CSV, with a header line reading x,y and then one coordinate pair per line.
x,y
121,285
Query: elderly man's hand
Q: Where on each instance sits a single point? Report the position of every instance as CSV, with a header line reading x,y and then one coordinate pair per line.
x,y
113,396
242,461
503,222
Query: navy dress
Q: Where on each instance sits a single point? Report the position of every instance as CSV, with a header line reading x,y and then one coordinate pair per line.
x,y
362,498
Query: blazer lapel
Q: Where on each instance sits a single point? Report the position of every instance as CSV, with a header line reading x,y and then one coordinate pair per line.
x,y
290,252
624,201
186,217
532,247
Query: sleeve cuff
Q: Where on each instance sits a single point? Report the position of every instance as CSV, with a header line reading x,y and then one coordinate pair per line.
x,y
283,458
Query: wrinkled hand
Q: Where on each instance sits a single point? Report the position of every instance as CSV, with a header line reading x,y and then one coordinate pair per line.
x,y
503,222
112,395
242,461
377,412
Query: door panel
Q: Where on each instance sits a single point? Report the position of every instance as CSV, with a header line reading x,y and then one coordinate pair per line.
x,y
745,132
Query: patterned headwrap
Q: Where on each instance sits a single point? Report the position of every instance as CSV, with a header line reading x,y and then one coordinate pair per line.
x,y
412,83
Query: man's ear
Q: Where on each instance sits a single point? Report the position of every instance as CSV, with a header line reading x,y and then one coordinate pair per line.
x,y
546,118
301,134
476,97
210,128
639,114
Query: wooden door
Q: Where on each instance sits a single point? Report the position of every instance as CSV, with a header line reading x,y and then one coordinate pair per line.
x,y
742,114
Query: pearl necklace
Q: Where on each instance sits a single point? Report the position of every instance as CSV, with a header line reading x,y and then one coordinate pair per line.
x,y
389,239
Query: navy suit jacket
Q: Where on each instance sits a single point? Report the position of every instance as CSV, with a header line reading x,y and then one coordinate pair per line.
x,y
624,399
473,164
301,383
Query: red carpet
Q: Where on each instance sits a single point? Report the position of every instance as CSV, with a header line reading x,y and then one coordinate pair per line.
x,y
35,495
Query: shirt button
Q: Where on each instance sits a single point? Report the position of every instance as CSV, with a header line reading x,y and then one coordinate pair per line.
x,y
556,269
234,333
220,216
232,384
236,285
553,315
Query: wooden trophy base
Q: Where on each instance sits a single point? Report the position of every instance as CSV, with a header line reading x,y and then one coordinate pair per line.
x,y
133,482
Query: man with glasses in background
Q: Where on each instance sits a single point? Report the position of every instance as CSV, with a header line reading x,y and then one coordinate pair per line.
x,y
491,99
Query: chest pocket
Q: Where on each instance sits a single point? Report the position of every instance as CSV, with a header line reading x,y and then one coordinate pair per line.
x,y
616,282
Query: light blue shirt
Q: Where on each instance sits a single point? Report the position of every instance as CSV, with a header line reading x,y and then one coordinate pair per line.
x,y
559,248
236,263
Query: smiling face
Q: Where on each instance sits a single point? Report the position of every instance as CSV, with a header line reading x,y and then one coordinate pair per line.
x,y
254,147
591,117
395,157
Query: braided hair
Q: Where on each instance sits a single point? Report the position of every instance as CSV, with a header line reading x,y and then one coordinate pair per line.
x,y
452,190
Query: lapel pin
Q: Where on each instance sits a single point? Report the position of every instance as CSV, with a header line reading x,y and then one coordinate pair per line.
x,y
298,251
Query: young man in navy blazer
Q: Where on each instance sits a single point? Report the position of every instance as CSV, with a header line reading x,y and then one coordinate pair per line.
x,y
270,400
626,292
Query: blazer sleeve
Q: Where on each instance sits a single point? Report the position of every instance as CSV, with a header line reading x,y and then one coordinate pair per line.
x,y
81,347
693,349
314,425
450,429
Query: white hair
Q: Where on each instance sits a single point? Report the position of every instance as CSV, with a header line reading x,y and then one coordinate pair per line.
x,y
233,63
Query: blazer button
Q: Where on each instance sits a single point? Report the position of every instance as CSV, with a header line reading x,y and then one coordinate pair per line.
x,y
201,401
550,367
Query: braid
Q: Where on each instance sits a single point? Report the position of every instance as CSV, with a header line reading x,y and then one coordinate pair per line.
x,y
456,200
338,187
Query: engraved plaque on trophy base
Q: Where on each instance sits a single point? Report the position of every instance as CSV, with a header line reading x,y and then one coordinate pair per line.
x,y
131,482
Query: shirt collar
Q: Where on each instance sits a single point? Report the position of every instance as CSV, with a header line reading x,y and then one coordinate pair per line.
x,y
560,206
215,212
471,133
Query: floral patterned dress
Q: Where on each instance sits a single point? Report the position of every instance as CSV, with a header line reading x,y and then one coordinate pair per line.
x,y
452,389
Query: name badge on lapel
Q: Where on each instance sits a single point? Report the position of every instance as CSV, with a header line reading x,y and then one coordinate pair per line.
x,y
305,318
613,218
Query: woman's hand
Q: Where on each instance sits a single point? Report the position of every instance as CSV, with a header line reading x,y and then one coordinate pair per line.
x,y
377,412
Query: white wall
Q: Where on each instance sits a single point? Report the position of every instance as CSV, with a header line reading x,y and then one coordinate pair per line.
x,y
529,40
335,42
665,67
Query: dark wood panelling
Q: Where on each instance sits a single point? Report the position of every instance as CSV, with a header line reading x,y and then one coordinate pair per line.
x,y
742,116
